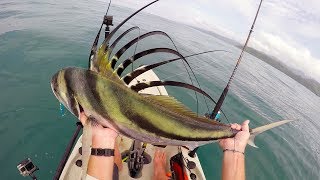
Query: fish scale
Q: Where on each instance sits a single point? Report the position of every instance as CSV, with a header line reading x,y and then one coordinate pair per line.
x,y
105,97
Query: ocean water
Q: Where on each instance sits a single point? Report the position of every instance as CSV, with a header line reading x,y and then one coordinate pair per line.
x,y
37,38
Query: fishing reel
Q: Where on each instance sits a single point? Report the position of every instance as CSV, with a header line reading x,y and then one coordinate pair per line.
x,y
108,21
27,168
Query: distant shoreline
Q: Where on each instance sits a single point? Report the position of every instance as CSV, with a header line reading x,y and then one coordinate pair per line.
x,y
309,83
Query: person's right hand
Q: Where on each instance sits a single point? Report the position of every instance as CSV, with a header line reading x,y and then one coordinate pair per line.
x,y
239,142
101,137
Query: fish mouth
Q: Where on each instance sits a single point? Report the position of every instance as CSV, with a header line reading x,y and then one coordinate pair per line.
x,y
65,95
54,84
75,108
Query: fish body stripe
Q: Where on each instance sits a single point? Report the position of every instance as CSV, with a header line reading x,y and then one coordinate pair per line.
x,y
71,100
126,110
132,110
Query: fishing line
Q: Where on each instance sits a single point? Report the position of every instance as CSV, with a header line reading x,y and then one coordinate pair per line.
x,y
135,50
108,7
179,74
196,54
205,52
62,110
95,42
110,35
183,62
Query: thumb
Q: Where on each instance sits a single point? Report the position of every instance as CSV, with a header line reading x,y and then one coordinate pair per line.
x,y
83,118
245,126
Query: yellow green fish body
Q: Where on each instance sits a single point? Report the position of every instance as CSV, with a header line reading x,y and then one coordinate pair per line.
x,y
152,119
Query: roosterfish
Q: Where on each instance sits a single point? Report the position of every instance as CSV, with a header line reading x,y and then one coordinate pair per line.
x,y
107,99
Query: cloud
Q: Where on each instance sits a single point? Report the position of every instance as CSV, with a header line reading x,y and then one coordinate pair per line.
x,y
289,52
287,29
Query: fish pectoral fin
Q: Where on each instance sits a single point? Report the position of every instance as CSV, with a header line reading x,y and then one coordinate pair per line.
x,y
256,131
86,146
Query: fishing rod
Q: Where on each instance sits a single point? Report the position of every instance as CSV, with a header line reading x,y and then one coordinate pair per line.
x,y
226,89
107,21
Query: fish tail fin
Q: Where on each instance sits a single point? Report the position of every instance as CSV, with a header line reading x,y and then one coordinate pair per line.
x,y
254,132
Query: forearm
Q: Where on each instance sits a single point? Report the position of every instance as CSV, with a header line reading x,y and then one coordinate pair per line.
x,y
233,166
101,167
104,173
159,174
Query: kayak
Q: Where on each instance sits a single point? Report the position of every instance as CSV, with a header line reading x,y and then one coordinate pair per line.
x,y
179,163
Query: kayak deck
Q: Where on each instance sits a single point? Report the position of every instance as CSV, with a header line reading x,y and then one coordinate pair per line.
x,y
72,171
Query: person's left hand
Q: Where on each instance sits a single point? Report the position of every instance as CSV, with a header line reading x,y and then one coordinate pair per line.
x,y
101,137
239,142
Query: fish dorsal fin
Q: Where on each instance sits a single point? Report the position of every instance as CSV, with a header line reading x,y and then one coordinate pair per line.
x,y
172,104
102,66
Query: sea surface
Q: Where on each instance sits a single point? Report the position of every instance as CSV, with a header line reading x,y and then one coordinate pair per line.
x,y
39,37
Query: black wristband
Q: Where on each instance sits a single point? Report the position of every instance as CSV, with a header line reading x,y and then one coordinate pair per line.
x,y
102,152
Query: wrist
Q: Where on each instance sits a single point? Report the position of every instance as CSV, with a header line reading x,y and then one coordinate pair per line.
x,y
236,147
233,151
103,142
233,154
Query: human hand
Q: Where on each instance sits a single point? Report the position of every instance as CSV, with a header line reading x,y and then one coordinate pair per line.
x,y
159,162
159,159
239,142
101,137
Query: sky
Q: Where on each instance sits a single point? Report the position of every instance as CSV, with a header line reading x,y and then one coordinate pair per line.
x,y
286,29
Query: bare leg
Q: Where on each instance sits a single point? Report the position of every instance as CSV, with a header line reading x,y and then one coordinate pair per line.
x,y
159,162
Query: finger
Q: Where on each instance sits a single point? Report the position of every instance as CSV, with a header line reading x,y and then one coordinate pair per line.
x,y
163,155
238,127
83,118
233,126
160,152
245,126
